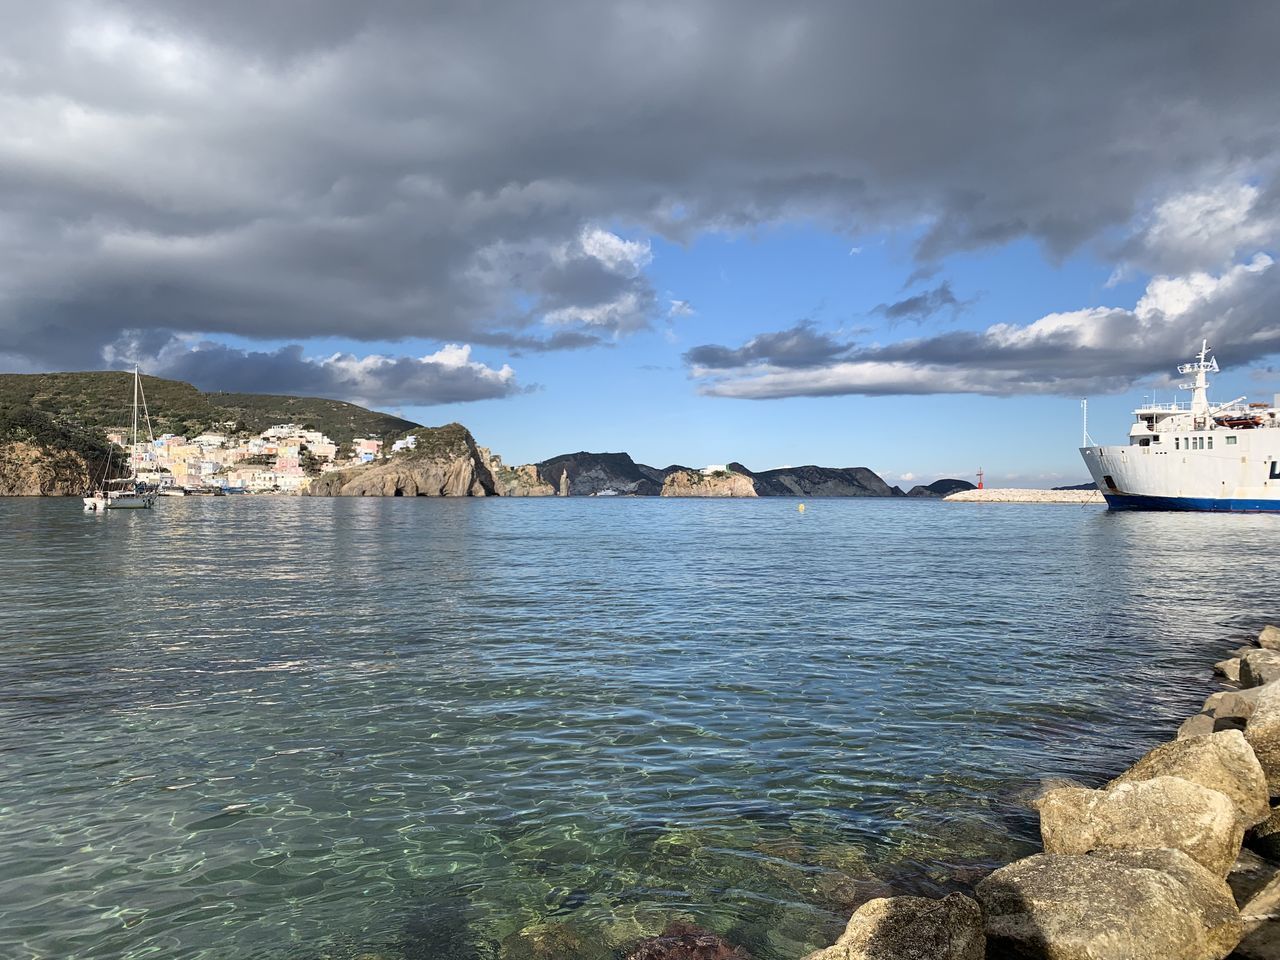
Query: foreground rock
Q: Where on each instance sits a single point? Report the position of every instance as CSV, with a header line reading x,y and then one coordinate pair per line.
x,y
1258,667
1269,637
1014,495
1109,905
695,483
1223,762
1263,733
444,463
911,928
1164,813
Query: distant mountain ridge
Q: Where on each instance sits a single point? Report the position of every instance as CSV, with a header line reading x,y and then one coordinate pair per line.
x,y
589,474
102,398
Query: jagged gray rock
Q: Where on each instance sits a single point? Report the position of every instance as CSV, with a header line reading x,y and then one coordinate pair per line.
x,y
1220,761
1109,905
911,928
1161,813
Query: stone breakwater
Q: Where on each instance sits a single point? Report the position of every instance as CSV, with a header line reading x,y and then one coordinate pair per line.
x,y
1177,858
1015,495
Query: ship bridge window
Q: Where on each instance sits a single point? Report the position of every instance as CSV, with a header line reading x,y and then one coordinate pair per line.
x,y
1210,443
1231,441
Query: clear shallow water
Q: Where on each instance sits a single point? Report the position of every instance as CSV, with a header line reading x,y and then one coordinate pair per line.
x,y
298,728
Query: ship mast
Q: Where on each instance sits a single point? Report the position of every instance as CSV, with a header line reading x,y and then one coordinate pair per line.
x,y
1200,386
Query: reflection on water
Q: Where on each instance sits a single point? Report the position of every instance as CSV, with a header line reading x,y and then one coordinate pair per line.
x,y
412,728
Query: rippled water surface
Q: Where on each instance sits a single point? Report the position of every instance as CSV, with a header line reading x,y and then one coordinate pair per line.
x,y
297,728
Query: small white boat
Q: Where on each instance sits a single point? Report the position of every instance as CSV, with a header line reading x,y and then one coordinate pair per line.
x,y
125,493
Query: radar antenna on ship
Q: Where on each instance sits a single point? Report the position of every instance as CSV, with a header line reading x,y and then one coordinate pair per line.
x,y
1199,387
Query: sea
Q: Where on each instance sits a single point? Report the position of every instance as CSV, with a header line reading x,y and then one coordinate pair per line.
x,y
330,729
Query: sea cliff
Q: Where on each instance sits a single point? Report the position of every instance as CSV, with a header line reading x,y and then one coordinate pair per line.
x,y
27,470
695,483
40,457
444,462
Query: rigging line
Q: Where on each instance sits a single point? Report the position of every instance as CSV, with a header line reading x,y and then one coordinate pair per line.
x,y
150,433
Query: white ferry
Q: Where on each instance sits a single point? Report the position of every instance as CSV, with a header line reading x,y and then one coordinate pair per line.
x,y
1193,456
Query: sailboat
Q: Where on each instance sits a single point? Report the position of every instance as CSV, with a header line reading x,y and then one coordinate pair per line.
x,y
125,493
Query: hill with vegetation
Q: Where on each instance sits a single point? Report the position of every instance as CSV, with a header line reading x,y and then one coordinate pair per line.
x,y
91,401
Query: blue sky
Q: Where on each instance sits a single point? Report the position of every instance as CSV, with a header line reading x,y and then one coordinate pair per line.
x,y
908,236
636,394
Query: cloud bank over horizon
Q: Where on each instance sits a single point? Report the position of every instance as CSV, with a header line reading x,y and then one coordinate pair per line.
x,y
495,179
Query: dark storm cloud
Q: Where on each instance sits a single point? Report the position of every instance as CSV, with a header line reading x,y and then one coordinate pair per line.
x,y
799,346
449,376
921,306
378,171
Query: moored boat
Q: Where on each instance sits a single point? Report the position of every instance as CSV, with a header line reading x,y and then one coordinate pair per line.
x,y
128,492
1193,456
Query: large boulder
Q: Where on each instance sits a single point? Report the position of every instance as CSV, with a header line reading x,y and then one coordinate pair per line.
x,y
1220,761
1263,733
1269,637
911,928
1163,813
1258,667
1109,905
1228,669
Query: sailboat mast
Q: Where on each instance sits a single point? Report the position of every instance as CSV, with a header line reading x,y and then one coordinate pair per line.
x,y
133,450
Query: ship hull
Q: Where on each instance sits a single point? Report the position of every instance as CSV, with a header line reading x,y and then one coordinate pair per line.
x,y
1200,504
1243,477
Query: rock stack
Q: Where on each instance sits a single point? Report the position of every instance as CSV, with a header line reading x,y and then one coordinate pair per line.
x,y
1171,860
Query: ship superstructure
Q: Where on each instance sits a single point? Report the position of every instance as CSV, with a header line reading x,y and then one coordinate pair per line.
x,y
1194,456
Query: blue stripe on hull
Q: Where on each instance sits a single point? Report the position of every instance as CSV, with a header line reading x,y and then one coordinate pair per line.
x,y
1122,501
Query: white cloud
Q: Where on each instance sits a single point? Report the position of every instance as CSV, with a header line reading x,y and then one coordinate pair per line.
x,y
680,308
623,257
1098,349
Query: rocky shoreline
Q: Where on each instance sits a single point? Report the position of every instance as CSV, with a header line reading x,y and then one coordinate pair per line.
x,y
1177,858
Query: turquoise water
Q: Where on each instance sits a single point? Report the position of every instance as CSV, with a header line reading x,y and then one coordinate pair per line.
x,y
297,728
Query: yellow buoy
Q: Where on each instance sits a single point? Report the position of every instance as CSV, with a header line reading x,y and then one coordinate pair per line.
x,y
800,508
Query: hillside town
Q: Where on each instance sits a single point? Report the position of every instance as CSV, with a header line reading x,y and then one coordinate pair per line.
x,y
281,459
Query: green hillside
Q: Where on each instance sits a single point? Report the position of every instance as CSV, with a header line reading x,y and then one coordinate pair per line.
x,y
97,399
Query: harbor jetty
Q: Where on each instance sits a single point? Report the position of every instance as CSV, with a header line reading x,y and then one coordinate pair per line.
x,y
1177,858
1020,495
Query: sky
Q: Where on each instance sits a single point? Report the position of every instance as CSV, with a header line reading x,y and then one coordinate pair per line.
x,y
906,236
